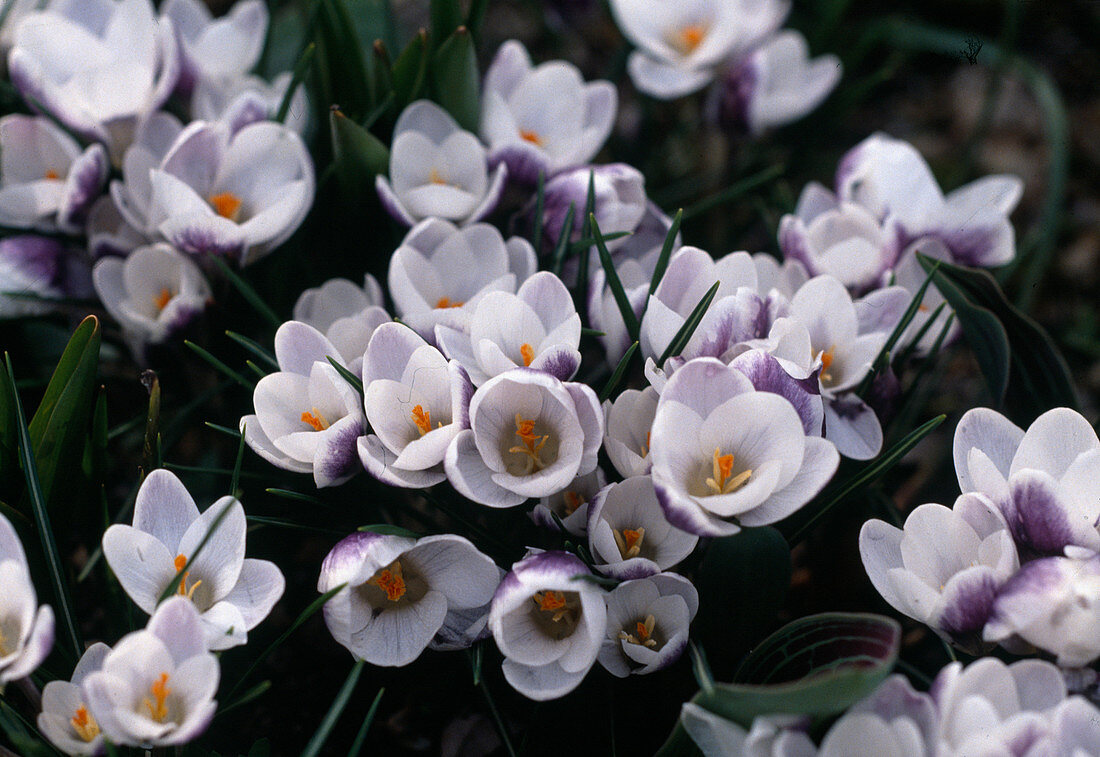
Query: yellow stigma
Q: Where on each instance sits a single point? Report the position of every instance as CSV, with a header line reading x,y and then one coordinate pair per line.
x,y
52,174
423,419
687,38
315,419
643,633
390,580
528,353
84,724
572,502
532,137
722,482
158,706
447,302
531,443
435,177
629,541
183,591
162,299
227,205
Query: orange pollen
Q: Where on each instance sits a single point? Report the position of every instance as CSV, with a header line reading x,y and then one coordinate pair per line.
x,y
315,419
923,308
84,724
52,174
551,601
645,447
445,302
158,711
689,38
641,630
532,137
532,443
572,502
826,360
826,364
227,205
181,562
722,468
527,352
390,581
629,542
435,177
422,418
632,537
162,299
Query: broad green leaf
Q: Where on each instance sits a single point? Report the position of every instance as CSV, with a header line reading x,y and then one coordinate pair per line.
x,y
410,70
455,79
359,155
446,17
341,64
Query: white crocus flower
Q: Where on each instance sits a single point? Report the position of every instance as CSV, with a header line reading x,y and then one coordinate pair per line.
x,y
618,201
1046,481
308,417
647,624
153,293
945,567
132,195
346,314
628,422
537,327
401,593
726,456
237,195
437,170
571,504
242,100
542,119
46,181
681,44
416,403
628,534
156,687
770,735
548,622
26,630
35,270
530,435
99,66
65,719
213,48
440,272
233,593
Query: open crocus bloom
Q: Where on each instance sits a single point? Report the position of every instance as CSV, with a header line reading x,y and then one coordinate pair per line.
x,y
152,293
26,630
132,195
214,48
628,534
629,421
233,593
401,592
529,436
727,456
548,622
680,44
542,119
570,505
242,100
235,195
416,403
945,568
437,169
647,624
537,327
46,181
308,417
65,59
65,719
440,272
1046,481
346,314
157,686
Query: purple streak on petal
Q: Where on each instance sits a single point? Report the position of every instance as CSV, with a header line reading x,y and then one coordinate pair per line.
x,y
204,241
524,165
37,257
969,602
1039,521
561,363
767,375
83,186
340,457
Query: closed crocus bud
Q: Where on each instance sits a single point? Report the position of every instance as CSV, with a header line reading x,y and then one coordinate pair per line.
x,y
619,201
542,119
647,624
549,623
157,686
213,48
26,636
570,505
945,567
65,719
438,170
346,314
401,593
628,422
65,57
242,100
35,270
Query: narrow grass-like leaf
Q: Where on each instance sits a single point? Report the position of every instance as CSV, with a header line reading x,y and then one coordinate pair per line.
x,y
502,730
620,371
903,357
150,460
557,257
388,529
301,68
252,694
255,348
313,748
250,295
734,191
699,666
347,375
592,332
683,336
477,657
626,311
235,481
223,429
589,239
126,427
666,251
174,584
288,494
256,370
219,366
361,736
263,520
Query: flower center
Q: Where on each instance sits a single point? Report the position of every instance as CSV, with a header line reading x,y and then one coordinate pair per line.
x,y
161,300
446,302
826,364
390,580
227,205
629,541
4,651
532,137
423,419
645,446
530,443
84,724
643,633
554,605
181,563
158,705
435,177
723,482
52,174
528,354
687,38
572,502
315,419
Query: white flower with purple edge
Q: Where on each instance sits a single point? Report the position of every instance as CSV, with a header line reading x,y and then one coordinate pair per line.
x,y
346,314
401,592
628,422
647,624
132,195
214,48
35,270
619,202
242,100
26,629
549,624
571,504
65,719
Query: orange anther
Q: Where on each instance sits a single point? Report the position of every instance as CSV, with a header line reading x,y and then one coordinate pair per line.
x,y
446,302
527,352
227,205
315,419
158,710
422,418
532,137
162,299
52,174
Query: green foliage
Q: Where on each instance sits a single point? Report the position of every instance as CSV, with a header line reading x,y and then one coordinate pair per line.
x,y
456,83
358,155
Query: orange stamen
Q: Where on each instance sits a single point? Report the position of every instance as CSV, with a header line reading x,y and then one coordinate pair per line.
x,y
390,581
181,562
227,205
445,302
435,177
532,137
52,174
630,542
162,299
160,690
422,418
645,447
641,630
527,352
572,502
532,443
688,38
315,419
84,724
826,363
632,537
722,468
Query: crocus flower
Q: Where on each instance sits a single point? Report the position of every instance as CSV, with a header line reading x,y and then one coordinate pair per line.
x,y
628,534
440,272
66,57
35,270
549,623
945,567
346,314
437,170
530,435
1045,481
681,45
26,635
400,592
65,719
242,100
779,735
619,201
153,293
46,181
213,48
235,195
416,403
233,593
570,505
156,687
647,624
109,233
308,417
628,422
726,456
542,119
537,327
132,195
